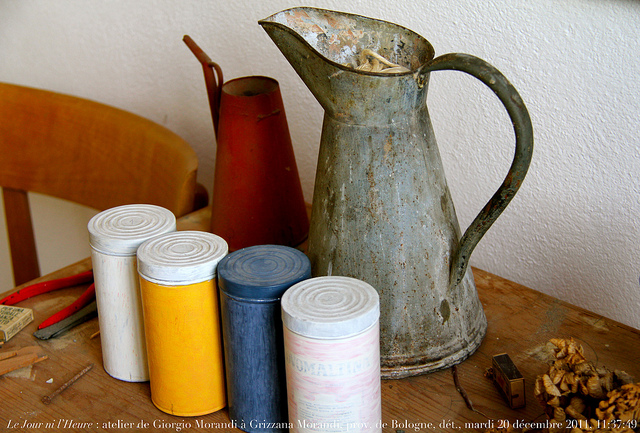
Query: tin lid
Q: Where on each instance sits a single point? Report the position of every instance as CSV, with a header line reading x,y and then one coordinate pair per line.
x,y
121,230
262,272
181,258
330,307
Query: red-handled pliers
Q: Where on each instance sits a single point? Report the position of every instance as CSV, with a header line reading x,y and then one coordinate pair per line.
x,y
48,286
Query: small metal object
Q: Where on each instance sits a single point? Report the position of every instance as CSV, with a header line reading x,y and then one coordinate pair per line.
x,y
508,379
47,399
48,286
52,331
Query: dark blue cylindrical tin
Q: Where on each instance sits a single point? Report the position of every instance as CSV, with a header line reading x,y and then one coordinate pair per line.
x,y
252,281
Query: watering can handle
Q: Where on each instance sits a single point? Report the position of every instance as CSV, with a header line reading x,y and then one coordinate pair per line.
x,y
524,149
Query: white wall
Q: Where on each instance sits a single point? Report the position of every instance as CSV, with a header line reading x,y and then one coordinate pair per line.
x,y
572,231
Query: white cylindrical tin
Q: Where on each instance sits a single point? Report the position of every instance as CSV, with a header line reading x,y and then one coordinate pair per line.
x,y
115,234
332,355
182,321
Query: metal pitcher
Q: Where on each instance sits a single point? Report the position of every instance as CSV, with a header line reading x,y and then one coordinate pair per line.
x,y
382,211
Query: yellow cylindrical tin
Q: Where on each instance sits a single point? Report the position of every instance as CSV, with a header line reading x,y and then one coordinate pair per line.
x,y
182,325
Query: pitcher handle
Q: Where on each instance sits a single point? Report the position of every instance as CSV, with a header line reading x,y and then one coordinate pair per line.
x,y
519,115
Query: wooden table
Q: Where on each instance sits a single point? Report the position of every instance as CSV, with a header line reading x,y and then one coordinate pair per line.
x,y
521,322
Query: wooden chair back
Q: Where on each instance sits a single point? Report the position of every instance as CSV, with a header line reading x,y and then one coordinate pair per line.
x,y
85,152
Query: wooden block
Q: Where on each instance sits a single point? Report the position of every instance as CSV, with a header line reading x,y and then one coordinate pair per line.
x,y
12,320
6,355
21,358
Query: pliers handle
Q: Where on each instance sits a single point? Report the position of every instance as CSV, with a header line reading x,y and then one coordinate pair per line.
x,y
51,285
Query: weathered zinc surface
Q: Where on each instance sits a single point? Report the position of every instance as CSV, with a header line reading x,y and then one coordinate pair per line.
x,y
382,211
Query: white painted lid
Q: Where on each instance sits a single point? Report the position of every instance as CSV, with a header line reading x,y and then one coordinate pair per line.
x,y
181,258
330,307
121,230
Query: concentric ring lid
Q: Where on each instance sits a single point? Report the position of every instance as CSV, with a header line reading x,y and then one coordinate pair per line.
x,y
181,258
121,230
330,307
262,272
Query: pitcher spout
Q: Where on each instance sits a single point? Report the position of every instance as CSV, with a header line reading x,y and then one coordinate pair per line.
x,y
336,53
290,40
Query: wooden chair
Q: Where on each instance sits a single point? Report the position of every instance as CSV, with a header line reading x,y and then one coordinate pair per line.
x,y
88,153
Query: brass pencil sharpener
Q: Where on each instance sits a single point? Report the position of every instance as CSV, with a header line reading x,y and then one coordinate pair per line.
x,y
509,381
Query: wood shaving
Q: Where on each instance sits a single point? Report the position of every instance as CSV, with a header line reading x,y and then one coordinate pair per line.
x,y
370,61
576,394
579,397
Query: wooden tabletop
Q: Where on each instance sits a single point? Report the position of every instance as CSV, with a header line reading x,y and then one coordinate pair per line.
x,y
521,323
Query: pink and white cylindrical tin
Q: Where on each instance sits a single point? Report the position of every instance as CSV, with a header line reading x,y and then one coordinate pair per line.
x,y
332,355
115,235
